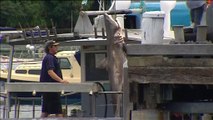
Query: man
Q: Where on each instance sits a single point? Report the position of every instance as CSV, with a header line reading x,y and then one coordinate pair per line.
x,y
51,72
197,8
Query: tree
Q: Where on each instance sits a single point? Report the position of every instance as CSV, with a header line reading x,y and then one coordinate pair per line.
x,y
31,13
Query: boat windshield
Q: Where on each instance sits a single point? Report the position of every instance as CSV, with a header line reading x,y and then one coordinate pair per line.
x,y
5,66
65,63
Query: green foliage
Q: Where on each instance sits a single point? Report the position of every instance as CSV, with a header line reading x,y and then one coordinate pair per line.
x,y
16,13
30,13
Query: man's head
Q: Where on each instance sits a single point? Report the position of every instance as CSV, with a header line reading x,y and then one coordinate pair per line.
x,y
51,46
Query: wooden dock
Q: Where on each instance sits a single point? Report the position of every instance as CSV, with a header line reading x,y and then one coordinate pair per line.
x,y
170,78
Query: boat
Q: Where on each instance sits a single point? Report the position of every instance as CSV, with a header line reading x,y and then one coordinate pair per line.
x,y
30,71
6,59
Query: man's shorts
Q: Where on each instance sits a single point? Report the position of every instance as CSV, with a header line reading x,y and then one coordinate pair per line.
x,y
51,103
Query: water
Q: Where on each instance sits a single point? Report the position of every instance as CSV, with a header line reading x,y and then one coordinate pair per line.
x,y
26,111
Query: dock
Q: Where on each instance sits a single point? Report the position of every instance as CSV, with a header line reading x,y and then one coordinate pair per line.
x,y
158,72
161,81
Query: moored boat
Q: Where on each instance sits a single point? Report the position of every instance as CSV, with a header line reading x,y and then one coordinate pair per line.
x,y
30,71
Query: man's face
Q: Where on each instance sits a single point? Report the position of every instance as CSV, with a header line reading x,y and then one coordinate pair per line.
x,y
53,49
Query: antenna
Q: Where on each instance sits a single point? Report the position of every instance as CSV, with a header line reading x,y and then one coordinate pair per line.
x,y
54,28
20,25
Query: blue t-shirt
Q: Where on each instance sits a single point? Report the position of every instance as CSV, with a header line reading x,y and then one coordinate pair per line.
x,y
192,4
50,62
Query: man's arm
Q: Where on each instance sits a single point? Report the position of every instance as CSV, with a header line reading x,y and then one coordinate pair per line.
x,y
56,77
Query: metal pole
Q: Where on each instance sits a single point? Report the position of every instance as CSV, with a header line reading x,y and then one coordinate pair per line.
x,y
16,101
8,80
66,105
10,63
18,108
93,105
71,21
3,95
33,108
4,107
125,95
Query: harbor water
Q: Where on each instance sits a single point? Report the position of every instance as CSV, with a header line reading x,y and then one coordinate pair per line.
x,y
26,111
26,106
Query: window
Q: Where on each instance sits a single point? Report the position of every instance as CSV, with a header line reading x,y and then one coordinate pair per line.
x,y
130,21
64,63
34,72
21,71
93,73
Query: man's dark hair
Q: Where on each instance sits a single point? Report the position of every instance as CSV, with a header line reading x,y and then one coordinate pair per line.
x,y
48,44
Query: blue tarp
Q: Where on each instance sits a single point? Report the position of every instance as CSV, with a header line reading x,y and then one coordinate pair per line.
x,y
78,57
179,15
36,33
7,28
1,38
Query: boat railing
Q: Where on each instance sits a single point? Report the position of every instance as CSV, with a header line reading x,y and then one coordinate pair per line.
x,y
18,103
39,34
65,90
33,99
34,88
3,96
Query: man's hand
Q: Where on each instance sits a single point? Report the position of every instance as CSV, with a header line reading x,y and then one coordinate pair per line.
x,y
56,77
65,81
